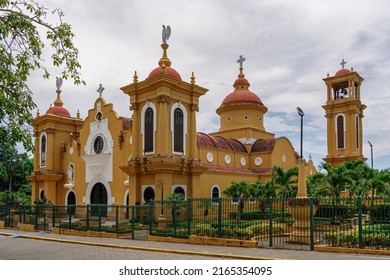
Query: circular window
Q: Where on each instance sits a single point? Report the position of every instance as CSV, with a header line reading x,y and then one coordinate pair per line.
x,y
148,194
210,157
227,159
284,159
229,118
243,161
98,145
258,161
245,117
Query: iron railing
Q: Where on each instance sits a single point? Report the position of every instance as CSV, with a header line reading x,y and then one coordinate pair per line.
x,y
279,223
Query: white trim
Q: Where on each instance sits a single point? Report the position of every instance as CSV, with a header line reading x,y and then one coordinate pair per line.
x,y
153,107
181,186
211,191
92,183
40,193
185,119
67,194
125,196
336,132
357,131
144,187
40,149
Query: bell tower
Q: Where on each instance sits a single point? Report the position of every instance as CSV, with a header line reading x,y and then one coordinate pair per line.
x,y
344,115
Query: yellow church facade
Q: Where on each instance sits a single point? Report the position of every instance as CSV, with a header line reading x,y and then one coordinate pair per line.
x,y
156,150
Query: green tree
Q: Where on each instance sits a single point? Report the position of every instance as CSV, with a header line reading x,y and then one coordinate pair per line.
x,y
238,192
23,29
262,192
14,167
285,182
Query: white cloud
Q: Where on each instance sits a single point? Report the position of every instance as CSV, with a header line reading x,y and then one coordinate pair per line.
x,y
289,47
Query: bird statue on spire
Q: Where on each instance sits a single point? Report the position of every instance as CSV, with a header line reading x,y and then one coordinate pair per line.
x,y
166,33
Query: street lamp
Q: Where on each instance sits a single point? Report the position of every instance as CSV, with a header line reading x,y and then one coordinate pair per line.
x,y
301,113
160,185
372,157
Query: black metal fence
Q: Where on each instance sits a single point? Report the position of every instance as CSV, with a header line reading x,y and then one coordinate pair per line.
x,y
280,223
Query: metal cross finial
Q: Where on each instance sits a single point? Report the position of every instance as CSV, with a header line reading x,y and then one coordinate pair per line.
x,y
241,60
343,62
100,90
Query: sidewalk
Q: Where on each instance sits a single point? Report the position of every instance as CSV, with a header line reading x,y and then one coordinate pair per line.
x,y
190,249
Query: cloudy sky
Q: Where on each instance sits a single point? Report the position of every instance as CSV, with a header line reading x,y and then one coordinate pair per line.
x,y
289,47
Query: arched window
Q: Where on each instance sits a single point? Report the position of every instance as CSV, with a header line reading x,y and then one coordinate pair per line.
x,y
340,130
215,193
180,190
148,194
178,130
357,131
43,149
149,131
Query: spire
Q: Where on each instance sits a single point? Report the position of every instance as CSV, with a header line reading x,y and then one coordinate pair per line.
x,y
58,102
241,83
241,60
164,60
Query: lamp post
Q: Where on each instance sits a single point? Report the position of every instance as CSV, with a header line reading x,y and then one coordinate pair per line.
x,y
301,113
372,155
160,185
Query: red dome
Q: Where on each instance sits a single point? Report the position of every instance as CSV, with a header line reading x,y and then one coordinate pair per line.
x,y
59,111
168,70
342,72
242,96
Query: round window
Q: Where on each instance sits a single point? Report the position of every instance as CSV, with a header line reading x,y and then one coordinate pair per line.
x,y
148,194
98,145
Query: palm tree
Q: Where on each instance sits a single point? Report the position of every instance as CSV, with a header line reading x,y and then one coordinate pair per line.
x,y
285,181
374,183
262,191
238,192
335,180
356,170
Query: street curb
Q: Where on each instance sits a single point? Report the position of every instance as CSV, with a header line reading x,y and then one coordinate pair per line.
x,y
159,250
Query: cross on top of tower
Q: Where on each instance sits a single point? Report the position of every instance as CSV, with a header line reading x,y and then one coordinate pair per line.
x,y
343,62
241,60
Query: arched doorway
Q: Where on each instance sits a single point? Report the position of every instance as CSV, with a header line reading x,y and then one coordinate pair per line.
x,y
71,200
99,196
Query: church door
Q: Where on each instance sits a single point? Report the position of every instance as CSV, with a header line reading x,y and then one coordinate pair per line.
x,y
99,196
71,201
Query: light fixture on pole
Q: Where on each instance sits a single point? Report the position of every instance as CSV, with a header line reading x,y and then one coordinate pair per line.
x,y
160,185
372,155
301,113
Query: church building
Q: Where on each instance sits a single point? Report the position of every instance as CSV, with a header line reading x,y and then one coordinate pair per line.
x,y
156,149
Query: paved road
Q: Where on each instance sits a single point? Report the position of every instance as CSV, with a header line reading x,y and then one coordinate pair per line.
x,y
26,246
30,249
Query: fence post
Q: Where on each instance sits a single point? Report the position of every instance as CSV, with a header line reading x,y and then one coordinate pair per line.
x,y
150,216
270,222
360,223
132,222
53,217
100,217
311,225
36,217
189,201
117,219
87,222
219,217
174,218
